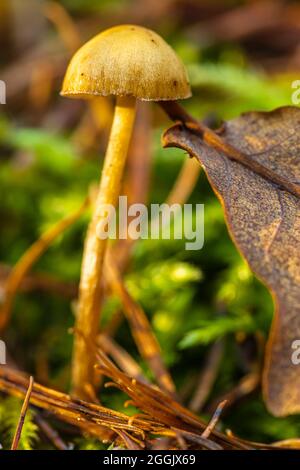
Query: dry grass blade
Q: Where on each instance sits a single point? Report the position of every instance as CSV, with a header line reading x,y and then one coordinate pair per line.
x,y
207,377
140,327
50,433
185,182
21,421
121,357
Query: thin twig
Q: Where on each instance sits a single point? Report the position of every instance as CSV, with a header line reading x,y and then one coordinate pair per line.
x,y
137,180
22,417
207,376
215,418
44,426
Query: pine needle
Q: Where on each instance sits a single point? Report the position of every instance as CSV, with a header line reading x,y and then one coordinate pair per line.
x,y
24,409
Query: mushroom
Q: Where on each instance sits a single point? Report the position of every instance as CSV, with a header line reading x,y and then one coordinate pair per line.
x,y
130,62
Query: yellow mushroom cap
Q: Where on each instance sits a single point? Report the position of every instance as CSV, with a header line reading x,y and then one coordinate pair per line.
x,y
127,60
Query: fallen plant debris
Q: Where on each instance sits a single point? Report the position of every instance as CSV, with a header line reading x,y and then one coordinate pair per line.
x,y
161,415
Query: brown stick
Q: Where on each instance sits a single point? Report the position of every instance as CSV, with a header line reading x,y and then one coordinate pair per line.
x,y
50,433
211,138
246,385
22,417
137,181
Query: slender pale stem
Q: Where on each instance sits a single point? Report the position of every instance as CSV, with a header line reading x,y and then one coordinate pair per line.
x,y
87,318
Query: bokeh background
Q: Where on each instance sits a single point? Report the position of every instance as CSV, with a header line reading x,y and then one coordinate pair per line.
x,y
210,314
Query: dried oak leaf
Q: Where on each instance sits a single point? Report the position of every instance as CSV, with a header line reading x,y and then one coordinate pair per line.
x,y
264,222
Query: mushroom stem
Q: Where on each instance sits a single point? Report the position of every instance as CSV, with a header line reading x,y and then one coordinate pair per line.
x,y
87,317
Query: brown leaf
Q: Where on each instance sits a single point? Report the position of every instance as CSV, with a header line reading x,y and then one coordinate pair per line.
x,y
264,221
